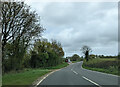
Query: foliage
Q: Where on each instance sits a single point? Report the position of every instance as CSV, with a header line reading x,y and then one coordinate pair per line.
x,y
101,63
46,54
103,56
113,70
21,47
75,57
27,76
108,65
20,26
86,50
64,64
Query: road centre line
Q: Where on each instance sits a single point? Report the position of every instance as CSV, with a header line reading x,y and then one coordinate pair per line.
x,y
91,81
87,79
74,71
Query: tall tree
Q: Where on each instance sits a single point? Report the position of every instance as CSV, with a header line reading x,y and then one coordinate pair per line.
x,y
86,50
57,47
19,23
118,55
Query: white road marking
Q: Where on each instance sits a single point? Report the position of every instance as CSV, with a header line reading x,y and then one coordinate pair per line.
x,y
45,77
74,71
91,81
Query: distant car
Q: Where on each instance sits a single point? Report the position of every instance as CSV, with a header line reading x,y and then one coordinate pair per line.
x,y
66,60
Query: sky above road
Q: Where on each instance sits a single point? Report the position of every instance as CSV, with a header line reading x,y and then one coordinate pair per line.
x,y
75,24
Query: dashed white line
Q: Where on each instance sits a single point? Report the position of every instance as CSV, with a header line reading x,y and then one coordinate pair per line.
x,y
88,79
92,81
74,71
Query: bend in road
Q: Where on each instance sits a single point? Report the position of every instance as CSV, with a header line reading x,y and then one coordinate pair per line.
x,y
75,75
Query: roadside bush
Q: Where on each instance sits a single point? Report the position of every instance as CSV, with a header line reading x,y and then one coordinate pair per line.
x,y
101,63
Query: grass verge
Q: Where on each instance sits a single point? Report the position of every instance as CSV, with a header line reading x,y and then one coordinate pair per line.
x,y
103,70
107,65
23,78
27,76
75,61
58,66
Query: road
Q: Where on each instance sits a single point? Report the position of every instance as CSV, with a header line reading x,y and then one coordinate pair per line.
x,y
75,76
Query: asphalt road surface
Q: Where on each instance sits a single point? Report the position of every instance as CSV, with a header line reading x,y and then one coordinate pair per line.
x,y
75,76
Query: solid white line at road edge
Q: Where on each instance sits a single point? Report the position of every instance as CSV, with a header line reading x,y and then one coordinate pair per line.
x,y
91,81
45,77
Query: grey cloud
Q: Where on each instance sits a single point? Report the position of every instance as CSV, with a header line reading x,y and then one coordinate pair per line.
x,y
78,24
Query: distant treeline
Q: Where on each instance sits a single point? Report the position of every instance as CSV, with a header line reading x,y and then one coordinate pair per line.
x,y
75,57
102,56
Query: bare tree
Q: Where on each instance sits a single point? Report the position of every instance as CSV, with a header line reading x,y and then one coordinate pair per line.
x,y
86,50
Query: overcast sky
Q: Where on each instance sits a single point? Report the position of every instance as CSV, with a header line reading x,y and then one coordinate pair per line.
x,y
75,24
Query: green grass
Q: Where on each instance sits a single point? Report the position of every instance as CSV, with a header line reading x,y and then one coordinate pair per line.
x,y
0,80
27,76
106,65
75,61
109,59
23,78
114,72
59,66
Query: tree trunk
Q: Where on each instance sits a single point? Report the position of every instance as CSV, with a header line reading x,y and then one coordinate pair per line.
x,y
86,55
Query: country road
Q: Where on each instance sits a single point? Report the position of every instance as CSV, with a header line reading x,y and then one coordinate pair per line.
x,y
74,75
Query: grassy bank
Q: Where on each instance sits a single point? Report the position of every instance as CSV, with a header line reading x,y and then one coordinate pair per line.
x,y
107,65
58,66
75,61
27,76
23,78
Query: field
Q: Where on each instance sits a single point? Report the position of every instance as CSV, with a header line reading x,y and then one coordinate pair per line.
x,y
27,76
106,65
